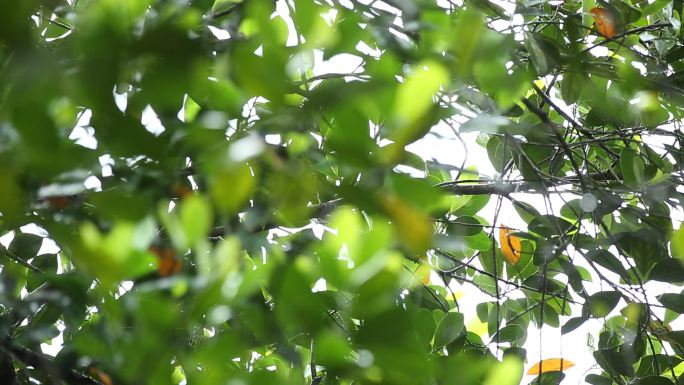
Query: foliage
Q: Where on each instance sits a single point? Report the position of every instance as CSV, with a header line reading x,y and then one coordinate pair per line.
x,y
225,213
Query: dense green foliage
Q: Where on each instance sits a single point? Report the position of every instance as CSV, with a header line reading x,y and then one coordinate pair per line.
x,y
189,249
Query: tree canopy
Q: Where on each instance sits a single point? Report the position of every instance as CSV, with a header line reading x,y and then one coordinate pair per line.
x,y
192,193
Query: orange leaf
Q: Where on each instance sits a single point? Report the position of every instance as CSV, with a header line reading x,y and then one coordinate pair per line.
x,y
180,190
550,365
168,264
511,246
59,201
605,21
104,378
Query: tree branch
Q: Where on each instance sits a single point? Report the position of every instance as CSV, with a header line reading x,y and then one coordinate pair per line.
x,y
496,278
629,32
505,188
47,363
561,141
569,119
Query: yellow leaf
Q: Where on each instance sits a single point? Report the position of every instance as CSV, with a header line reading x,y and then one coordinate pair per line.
x,y
511,246
550,365
478,327
413,226
605,21
507,372
423,271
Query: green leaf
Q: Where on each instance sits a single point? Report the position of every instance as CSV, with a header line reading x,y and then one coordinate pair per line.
x,y
645,246
465,226
191,108
669,270
510,333
543,52
614,362
25,245
526,211
499,153
415,98
674,302
656,364
223,5
473,205
677,336
425,326
449,328
632,167
572,86
507,372
549,225
677,243
46,263
117,254
299,308
485,123
507,87
602,303
332,350
607,260
231,187
595,379
468,34
305,16
654,380
196,216
548,378
572,324
325,144
634,312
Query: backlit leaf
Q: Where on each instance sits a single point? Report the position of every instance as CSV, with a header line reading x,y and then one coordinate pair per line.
x,y
507,372
511,247
423,271
605,21
550,365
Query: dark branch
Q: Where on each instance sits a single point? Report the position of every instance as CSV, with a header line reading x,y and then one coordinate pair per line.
x,y
48,364
226,12
505,188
